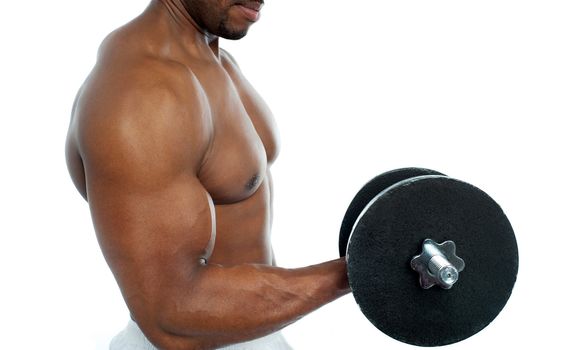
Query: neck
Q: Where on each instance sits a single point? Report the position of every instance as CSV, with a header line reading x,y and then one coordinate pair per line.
x,y
177,11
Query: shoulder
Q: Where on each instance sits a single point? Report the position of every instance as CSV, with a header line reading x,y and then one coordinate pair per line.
x,y
132,67
141,105
128,77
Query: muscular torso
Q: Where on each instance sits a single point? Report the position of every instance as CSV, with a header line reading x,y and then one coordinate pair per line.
x,y
241,139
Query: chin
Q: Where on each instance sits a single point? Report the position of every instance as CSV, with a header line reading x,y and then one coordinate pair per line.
x,y
235,36
232,33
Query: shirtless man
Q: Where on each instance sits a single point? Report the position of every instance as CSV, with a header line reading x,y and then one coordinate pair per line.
x,y
171,147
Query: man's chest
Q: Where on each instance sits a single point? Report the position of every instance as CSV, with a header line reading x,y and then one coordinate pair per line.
x,y
244,137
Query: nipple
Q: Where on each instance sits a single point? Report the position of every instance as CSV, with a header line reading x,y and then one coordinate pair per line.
x,y
253,182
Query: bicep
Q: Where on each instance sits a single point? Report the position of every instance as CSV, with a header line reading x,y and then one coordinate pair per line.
x,y
153,218
173,220
152,240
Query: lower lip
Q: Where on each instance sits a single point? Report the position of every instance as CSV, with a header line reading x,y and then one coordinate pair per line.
x,y
251,15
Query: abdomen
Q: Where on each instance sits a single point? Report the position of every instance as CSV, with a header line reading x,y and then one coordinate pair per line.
x,y
243,230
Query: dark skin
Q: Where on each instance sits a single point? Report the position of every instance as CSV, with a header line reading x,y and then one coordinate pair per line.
x,y
171,147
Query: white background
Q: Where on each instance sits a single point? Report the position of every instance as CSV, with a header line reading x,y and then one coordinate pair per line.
x,y
484,91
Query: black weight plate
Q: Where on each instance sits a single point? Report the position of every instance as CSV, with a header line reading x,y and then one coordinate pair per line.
x,y
368,192
390,232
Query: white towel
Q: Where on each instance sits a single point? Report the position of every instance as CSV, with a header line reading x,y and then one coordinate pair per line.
x,y
132,338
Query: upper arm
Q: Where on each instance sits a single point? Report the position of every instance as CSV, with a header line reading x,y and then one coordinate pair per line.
x,y
142,143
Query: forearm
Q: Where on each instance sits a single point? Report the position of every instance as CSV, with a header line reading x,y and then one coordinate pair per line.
x,y
225,305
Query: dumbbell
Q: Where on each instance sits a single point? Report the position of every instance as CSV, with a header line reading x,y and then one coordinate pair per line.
x,y
431,260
